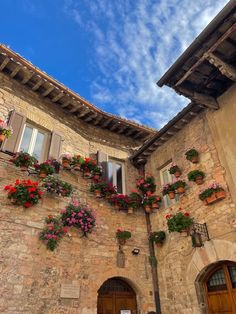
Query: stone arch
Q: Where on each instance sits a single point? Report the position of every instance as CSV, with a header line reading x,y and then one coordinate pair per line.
x,y
132,282
203,260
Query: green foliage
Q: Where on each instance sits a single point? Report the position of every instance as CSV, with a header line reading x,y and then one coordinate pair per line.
x,y
54,185
178,184
157,236
191,153
179,222
173,169
123,234
192,175
22,159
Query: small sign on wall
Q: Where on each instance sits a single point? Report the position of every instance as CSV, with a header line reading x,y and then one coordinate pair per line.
x,y
70,290
125,312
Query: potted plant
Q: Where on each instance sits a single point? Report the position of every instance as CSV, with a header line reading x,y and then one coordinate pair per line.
x,y
5,130
150,202
168,189
87,167
76,162
157,237
109,190
179,222
44,169
134,201
53,232
66,160
212,194
98,189
54,185
192,155
196,176
23,160
122,235
120,201
96,172
146,185
179,186
79,216
24,192
175,170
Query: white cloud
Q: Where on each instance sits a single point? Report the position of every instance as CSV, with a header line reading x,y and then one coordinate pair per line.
x,y
135,42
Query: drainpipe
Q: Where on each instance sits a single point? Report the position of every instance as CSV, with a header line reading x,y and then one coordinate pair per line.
x,y
153,260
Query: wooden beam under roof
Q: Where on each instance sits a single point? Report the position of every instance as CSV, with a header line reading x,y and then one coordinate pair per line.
x,y
57,97
76,106
98,120
138,134
66,103
38,84
48,91
106,123
91,117
131,131
83,113
27,76
114,126
203,57
122,129
15,71
4,63
226,69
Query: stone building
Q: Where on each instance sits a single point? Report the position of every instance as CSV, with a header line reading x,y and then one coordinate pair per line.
x,y
83,274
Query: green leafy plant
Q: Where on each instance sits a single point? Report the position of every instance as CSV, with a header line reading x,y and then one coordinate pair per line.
x,y
53,232
192,175
152,199
22,159
79,216
77,160
167,188
179,222
5,129
24,192
134,200
157,236
45,167
54,185
174,168
101,186
191,153
178,183
213,188
146,185
123,234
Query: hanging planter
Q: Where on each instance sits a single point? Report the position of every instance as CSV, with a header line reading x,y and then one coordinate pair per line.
x,y
157,237
192,155
130,210
179,222
24,161
197,176
97,193
44,169
146,185
147,209
150,202
179,186
76,162
212,194
175,170
122,235
169,190
2,137
54,185
171,194
5,130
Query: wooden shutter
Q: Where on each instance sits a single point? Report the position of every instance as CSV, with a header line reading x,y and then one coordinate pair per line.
x,y
55,146
17,122
102,159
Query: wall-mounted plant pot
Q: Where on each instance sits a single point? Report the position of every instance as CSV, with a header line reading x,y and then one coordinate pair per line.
x,y
220,195
97,193
211,199
155,206
159,244
2,137
87,175
42,174
96,177
185,233
66,164
195,159
76,167
171,195
199,180
147,209
23,168
180,190
130,210
177,174
121,241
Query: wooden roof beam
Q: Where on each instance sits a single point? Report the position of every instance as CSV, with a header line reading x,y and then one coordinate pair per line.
x,y
4,63
57,97
122,129
91,117
38,84
27,77
77,107
226,69
114,126
15,71
131,131
98,120
83,113
66,103
138,134
203,99
203,57
48,90
106,123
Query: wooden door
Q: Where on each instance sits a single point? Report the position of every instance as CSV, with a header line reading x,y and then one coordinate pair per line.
x,y
220,288
116,295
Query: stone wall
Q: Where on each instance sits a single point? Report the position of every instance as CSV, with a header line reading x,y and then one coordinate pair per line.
x,y
32,277
178,262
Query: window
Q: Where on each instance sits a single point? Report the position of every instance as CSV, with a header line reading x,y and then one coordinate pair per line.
x,y
35,142
166,177
116,175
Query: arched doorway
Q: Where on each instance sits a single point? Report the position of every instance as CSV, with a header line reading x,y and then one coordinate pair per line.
x,y
116,295
220,288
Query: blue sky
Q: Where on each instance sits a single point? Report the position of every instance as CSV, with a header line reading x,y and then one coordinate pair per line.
x,y
110,52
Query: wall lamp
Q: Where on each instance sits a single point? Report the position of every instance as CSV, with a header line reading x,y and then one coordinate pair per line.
x,y
199,233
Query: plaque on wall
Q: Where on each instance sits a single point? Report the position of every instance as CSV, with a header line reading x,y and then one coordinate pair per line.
x,y
125,312
70,290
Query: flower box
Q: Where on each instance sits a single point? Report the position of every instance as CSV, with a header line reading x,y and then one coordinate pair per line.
x,y
212,194
192,155
179,222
